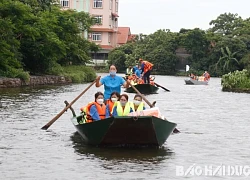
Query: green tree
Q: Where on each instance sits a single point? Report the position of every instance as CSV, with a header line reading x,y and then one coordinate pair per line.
x,y
117,58
227,60
226,23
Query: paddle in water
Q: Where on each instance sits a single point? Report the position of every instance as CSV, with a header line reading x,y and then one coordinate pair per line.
x,y
45,127
158,85
150,105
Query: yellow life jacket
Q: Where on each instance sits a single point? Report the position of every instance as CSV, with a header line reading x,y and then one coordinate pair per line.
x,y
119,109
140,107
129,71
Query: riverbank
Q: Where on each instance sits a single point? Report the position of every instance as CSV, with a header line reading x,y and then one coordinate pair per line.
x,y
34,81
63,75
237,90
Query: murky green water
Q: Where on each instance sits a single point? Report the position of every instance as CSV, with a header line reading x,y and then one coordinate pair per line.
x,y
214,125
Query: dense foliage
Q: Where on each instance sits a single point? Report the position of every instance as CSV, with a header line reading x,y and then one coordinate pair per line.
x,y
222,49
36,37
236,80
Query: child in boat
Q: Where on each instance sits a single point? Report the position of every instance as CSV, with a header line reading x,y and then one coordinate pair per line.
x,y
138,105
111,101
96,110
122,107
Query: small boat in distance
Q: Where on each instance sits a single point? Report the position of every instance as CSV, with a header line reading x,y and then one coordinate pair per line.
x,y
139,84
143,88
191,81
198,80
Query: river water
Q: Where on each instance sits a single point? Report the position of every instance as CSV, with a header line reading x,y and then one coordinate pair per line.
x,y
214,129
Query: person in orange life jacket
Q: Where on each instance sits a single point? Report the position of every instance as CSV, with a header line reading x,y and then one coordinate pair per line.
x,y
206,76
111,83
110,102
98,109
137,103
122,107
146,68
192,76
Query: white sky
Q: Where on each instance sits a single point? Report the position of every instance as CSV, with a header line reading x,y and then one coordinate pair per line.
x,y
147,16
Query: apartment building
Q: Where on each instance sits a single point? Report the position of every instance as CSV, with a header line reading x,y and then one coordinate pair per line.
x,y
105,30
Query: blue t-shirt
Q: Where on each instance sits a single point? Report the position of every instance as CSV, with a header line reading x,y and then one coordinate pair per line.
x,y
135,68
138,73
111,84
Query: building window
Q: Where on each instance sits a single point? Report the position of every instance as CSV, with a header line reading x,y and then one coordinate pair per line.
x,y
96,36
64,3
116,6
97,3
98,19
110,4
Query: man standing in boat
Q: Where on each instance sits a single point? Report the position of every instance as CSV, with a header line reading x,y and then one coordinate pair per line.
x,y
146,68
111,82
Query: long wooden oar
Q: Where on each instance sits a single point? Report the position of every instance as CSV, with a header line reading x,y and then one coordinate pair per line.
x,y
68,106
150,105
158,85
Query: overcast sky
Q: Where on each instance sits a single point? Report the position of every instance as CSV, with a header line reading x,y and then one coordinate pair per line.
x,y
147,16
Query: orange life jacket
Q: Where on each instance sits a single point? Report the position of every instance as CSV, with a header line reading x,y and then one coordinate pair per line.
x,y
147,66
130,77
100,109
110,104
140,81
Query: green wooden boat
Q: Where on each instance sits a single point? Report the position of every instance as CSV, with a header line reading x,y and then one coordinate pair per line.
x,y
125,131
143,88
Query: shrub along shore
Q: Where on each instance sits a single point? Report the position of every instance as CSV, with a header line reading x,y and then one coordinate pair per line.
x,y
237,81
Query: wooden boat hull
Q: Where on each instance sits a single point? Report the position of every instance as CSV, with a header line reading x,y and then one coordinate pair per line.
x,y
125,131
143,88
195,82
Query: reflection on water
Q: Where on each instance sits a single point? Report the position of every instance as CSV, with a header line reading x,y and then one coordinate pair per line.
x,y
139,155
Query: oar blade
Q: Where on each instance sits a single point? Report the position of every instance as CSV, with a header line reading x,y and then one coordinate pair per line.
x,y
158,85
45,127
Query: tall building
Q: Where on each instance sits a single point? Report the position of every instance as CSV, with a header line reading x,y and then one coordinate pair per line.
x,y
105,30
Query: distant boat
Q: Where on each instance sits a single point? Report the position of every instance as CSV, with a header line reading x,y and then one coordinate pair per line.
x,y
195,82
143,88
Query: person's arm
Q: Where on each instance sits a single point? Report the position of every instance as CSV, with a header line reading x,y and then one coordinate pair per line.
x,y
115,111
124,83
142,68
98,82
93,113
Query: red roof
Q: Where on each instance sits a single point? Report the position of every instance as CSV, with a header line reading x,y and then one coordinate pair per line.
x,y
123,35
131,37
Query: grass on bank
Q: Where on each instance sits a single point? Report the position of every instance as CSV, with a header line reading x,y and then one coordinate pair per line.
x,y
15,73
78,74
